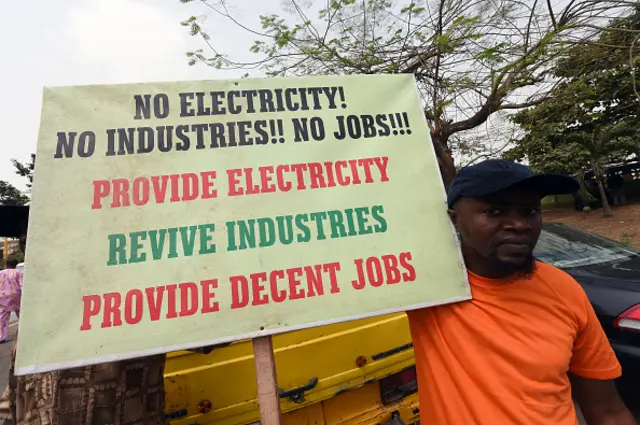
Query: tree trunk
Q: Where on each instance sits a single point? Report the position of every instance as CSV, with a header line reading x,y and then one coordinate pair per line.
x,y
445,160
606,208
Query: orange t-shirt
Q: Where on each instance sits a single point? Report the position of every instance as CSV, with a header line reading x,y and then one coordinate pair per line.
x,y
502,358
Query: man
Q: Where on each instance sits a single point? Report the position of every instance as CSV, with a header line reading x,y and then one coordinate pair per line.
x,y
513,354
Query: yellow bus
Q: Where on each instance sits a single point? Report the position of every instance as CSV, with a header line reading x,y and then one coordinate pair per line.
x,y
360,372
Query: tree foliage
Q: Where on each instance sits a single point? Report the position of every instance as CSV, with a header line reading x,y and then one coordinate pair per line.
x,y
591,116
471,58
25,170
10,195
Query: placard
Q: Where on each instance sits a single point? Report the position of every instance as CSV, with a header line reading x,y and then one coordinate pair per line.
x,y
168,216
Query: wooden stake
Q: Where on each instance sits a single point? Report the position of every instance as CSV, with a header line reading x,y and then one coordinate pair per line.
x,y
268,394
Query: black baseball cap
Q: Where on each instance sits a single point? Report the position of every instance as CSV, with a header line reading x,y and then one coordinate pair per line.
x,y
493,175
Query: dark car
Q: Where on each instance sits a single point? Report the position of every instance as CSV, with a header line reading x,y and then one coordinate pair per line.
x,y
609,272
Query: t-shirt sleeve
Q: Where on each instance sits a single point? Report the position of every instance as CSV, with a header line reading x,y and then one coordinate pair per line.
x,y
592,355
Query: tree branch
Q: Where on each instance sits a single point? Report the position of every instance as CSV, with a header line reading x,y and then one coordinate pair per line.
x,y
523,104
551,15
633,67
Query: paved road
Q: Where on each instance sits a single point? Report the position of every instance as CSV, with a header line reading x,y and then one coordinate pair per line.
x,y
5,354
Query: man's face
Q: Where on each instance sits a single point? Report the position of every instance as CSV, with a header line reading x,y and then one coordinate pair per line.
x,y
499,232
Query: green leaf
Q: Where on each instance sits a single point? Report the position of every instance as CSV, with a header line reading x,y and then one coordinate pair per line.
x,y
408,8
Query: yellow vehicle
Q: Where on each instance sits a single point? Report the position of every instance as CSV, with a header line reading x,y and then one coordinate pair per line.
x,y
360,372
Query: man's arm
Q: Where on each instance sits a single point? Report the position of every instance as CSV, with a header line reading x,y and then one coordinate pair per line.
x,y
600,402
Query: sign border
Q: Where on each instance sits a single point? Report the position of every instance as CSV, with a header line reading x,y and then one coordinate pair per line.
x,y
27,370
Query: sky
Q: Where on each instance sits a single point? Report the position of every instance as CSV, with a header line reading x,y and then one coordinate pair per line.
x,y
74,42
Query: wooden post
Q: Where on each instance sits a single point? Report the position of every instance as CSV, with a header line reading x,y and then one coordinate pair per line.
x,y
268,395
5,253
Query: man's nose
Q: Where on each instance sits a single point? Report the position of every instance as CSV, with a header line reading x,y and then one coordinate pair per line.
x,y
517,223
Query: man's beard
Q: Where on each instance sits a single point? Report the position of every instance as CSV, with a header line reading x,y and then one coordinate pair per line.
x,y
504,268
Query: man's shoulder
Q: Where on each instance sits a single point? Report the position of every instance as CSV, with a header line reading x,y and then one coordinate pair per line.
x,y
559,281
550,270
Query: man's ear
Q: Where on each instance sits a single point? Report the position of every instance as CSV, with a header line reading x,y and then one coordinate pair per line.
x,y
453,215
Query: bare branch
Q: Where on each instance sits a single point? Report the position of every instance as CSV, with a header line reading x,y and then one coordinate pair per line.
x,y
599,28
551,15
227,15
523,104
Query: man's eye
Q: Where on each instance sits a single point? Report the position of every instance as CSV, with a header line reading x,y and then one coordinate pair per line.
x,y
493,212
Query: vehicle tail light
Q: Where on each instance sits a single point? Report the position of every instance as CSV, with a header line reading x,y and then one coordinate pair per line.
x,y
629,319
402,384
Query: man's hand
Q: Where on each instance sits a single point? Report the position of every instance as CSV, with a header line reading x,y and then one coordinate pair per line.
x,y
600,402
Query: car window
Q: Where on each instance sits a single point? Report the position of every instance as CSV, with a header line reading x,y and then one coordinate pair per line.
x,y
566,247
